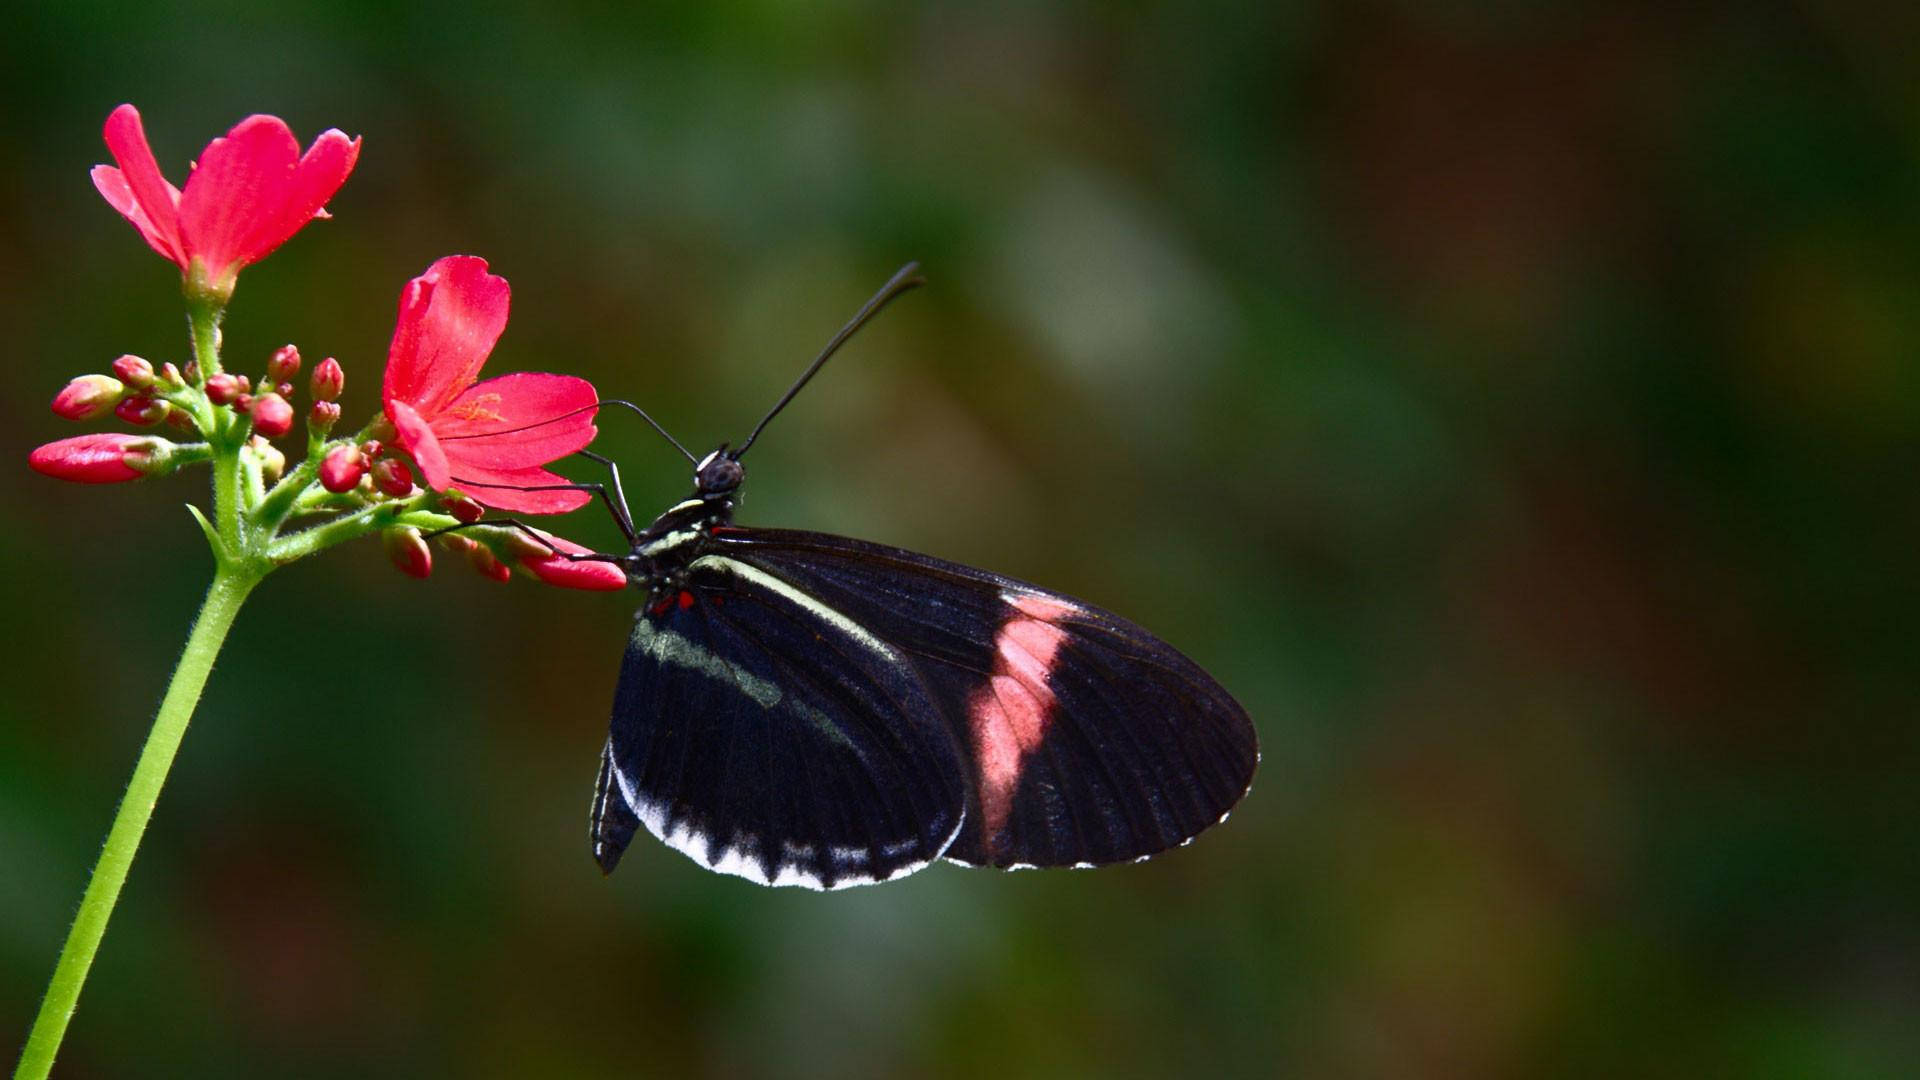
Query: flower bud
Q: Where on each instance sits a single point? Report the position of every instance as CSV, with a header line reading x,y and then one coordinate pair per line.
x,y
272,416
464,510
88,397
371,448
323,416
192,371
272,461
140,410
134,371
328,380
409,551
482,559
223,389
182,421
243,404
101,458
392,476
342,468
284,365
170,377
551,565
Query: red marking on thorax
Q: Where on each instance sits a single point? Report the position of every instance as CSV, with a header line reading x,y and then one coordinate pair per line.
x,y
686,599
1009,715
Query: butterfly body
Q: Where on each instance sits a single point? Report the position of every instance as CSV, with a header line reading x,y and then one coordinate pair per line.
x,y
804,709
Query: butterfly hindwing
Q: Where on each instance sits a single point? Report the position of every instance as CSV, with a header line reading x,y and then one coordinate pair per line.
x,y
1086,739
764,734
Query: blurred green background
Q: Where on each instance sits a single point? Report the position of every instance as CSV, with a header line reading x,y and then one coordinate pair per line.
x,y
1516,408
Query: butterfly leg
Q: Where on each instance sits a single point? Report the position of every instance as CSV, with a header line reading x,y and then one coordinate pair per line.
x,y
617,502
532,534
618,509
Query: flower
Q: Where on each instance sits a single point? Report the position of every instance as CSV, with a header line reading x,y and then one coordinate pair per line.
x,y
555,569
484,437
106,458
249,193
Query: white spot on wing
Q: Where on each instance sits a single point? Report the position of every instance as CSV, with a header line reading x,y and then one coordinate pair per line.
x,y
738,862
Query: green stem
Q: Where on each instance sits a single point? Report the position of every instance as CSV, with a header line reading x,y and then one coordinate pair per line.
x,y
230,588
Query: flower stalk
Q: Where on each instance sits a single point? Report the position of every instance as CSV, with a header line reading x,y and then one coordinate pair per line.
x,y
231,584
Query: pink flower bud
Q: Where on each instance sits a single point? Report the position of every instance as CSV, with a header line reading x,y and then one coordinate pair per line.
x,y
192,371
104,458
284,365
88,397
182,421
170,375
554,568
223,389
243,404
371,448
482,559
463,509
328,380
409,552
392,476
323,416
342,468
134,371
272,416
140,410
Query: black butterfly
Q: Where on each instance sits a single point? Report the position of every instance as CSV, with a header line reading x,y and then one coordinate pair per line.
x,y
804,709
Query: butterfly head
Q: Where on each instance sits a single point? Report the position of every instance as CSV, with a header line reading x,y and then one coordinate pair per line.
x,y
718,475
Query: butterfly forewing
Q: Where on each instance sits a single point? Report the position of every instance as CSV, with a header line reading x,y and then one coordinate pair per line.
x,y
1085,739
767,735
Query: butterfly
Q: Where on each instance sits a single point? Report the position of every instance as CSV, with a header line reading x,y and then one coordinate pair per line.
x,y
798,708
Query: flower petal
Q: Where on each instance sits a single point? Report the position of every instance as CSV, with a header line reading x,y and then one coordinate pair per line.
x,y
416,438
146,193
496,488
568,574
449,319
518,421
238,189
315,180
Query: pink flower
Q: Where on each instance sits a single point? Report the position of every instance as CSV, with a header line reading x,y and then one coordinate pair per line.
x,y
107,458
249,193
467,434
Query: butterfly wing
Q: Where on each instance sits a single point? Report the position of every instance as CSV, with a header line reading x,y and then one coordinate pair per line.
x,y
764,734
1085,740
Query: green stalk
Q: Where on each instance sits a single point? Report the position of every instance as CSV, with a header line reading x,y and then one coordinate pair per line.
x,y
231,585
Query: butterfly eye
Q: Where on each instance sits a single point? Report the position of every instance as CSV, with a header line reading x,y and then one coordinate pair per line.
x,y
719,474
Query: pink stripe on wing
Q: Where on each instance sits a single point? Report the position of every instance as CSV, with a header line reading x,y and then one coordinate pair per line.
x,y
1009,715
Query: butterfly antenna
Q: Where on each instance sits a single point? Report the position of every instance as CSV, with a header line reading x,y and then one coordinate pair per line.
x,y
903,279
651,422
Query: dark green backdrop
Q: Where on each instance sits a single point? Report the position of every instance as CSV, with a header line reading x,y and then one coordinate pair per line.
x,y
1516,409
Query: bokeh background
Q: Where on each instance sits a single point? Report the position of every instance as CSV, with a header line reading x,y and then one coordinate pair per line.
x,y
1516,408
